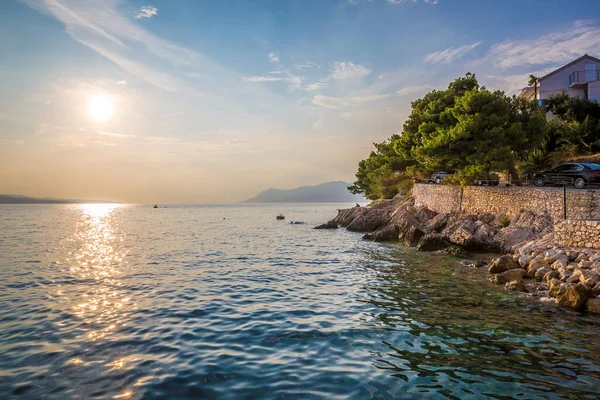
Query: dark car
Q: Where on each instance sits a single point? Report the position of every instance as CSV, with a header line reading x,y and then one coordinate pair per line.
x,y
439,176
579,175
488,178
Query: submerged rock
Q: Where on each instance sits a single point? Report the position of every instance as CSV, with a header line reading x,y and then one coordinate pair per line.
x,y
477,264
510,275
516,286
456,251
432,242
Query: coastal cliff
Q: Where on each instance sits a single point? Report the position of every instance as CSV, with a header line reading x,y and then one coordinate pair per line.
x,y
531,263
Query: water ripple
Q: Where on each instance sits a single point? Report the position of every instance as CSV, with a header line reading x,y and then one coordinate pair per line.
x,y
129,302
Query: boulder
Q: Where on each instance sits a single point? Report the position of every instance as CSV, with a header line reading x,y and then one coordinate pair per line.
x,y
589,277
471,234
534,267
593,305
502,264
432,242
438,223
563,274
557,288
328,225
524,260
551,256
540,273
575,297
572,255
553,274
584,264
572,267
596,290
411,236
515,286
525,227
385,234
510,275
575,276
561,262
368,220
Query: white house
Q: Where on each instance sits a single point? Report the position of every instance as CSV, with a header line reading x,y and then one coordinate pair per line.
x,y
579,78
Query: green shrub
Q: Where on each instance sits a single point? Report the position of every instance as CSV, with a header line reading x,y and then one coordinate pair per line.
x,y
504,221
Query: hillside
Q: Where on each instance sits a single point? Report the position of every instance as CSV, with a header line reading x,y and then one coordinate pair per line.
x,y
19,199
330,192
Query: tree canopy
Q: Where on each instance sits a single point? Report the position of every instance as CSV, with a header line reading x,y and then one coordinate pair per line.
x,y
465,128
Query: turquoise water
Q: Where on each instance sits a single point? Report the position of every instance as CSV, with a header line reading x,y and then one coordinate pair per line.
x,y
105,301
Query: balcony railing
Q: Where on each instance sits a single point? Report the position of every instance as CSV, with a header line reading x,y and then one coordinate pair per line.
x,y
584,77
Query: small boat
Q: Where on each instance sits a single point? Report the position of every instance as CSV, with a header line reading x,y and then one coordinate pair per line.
x,y
280,216
155,206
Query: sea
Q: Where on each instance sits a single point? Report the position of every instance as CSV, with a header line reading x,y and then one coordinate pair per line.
x,y
108,301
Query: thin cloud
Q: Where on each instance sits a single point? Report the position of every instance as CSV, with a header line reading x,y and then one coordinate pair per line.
x,y
294,81
305,65
312,87
273,58
560,46
119,135
146,12
347,69
344,102
262,78
121,83
449,55
413,89
162,140
513,84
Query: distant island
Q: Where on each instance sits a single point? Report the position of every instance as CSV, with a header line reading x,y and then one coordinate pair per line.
x,y
330,192
20,199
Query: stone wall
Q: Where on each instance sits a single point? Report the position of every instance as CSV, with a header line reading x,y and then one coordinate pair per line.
x,y
577,233
508,201
439,198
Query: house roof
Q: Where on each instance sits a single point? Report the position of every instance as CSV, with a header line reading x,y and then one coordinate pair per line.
x,y
526,92
583,57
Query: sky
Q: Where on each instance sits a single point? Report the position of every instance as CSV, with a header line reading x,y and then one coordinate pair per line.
x,y
212,101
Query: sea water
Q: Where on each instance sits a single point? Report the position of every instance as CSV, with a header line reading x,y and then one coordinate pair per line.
x,y
127,302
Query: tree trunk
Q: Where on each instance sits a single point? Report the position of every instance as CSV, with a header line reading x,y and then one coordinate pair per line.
x,y
514,176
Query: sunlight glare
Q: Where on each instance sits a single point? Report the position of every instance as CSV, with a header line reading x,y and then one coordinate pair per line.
x,y
101,108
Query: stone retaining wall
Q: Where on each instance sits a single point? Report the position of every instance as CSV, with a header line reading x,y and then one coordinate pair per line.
x,y
577,233
439,198
509,201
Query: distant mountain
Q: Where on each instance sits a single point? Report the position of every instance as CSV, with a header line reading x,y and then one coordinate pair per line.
x,y
19,199
330,192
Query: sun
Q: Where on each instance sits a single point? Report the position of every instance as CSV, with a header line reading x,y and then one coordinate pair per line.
x,y
101,108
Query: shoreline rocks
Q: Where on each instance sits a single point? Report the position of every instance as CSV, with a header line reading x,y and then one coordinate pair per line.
x,y
571,275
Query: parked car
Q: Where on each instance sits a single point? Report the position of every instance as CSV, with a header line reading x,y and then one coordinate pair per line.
x,y
579,175
438,177
489,178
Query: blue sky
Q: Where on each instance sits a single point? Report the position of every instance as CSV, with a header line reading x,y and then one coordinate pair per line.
x,y
211,101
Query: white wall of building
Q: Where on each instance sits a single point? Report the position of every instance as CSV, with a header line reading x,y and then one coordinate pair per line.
x,y
594,91
559,82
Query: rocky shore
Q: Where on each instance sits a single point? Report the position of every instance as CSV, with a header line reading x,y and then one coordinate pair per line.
x,y
530,263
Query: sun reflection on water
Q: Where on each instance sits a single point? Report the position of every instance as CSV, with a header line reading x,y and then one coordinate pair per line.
x,y
98,263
